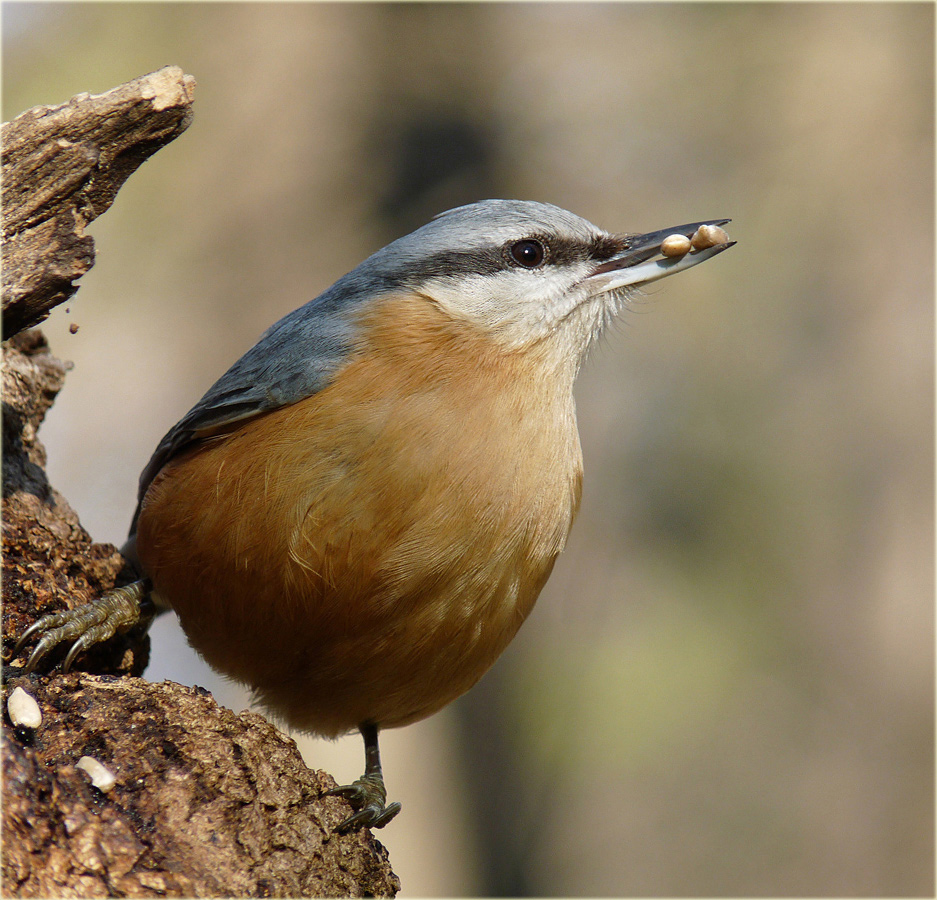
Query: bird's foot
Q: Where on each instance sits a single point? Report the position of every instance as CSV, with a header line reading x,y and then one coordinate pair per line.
x,y
87,625
369,797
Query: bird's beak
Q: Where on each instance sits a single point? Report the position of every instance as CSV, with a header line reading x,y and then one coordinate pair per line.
x,y
647,257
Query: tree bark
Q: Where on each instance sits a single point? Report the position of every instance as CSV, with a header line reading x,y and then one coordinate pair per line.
x,y
205,802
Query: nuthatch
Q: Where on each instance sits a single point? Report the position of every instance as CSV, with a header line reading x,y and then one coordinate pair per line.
x,y
360,513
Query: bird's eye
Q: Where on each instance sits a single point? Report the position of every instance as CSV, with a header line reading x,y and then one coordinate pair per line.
x,y
528,253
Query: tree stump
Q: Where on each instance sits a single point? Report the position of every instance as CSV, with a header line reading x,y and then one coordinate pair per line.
x,y
205,803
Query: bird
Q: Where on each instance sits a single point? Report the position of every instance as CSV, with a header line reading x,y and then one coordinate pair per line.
x,y
357,517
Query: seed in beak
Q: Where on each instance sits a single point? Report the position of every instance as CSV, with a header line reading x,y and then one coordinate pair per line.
x,y
678,245
707,236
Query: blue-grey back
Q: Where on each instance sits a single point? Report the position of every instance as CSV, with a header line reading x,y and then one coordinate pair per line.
x,y
298,356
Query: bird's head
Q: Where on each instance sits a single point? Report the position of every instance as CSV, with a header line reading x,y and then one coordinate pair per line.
x,y
531,273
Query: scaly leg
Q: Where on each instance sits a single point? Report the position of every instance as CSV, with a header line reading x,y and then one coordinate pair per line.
x,y
368,794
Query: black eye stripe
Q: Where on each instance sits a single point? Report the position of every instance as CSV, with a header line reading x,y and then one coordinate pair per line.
x,y
566,251
497,258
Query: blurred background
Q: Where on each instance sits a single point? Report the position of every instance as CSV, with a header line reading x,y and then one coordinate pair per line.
x,y
727,688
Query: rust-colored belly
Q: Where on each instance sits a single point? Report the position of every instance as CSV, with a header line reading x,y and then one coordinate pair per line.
x,y
367,553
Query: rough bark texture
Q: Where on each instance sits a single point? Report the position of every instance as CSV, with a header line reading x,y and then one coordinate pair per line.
x,y
206,803
49,560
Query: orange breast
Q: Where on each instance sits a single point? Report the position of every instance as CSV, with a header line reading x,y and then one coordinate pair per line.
x,y
367,553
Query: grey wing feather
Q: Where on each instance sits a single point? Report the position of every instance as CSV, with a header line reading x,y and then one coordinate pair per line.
x,y
293,359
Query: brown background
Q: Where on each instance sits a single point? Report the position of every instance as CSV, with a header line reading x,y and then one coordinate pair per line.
x,y
727,687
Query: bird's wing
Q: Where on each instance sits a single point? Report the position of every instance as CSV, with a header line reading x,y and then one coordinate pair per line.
x,y
294,359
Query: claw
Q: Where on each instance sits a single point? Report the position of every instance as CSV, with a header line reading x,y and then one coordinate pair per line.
x,y
52,620
372,816
368,793
87,625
